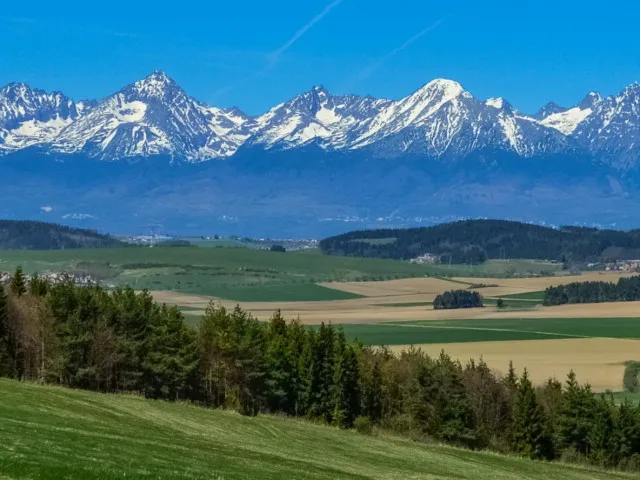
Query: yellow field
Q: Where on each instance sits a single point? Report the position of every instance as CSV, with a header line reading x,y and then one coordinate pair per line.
x,y
598,361
376,306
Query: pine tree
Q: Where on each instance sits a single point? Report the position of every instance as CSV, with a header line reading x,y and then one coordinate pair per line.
x,y
18,285
529,436
372,393
576,416
6,355
347,389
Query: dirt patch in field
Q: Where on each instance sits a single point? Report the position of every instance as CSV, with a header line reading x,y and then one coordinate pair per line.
x,y
598,361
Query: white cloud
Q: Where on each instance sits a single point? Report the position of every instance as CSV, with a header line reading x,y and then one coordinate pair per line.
x,y
47,208
77,216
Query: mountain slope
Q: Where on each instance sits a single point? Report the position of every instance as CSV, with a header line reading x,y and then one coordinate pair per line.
x,y
52,432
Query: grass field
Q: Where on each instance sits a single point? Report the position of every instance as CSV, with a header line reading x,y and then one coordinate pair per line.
x,y
490,330
53,433
240,274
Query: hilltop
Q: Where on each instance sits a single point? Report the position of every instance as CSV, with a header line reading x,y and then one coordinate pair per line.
x,y
474,241
53,432
31,235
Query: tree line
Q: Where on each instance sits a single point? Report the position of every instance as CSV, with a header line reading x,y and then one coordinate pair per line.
x,y
123,341
28,234
625,290
457,299
474,241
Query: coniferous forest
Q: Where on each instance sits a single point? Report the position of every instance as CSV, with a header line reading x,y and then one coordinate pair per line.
x,y
123,341
625,290
474,241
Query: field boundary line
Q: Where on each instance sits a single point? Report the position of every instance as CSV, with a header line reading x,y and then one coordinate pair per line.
x,y
512,330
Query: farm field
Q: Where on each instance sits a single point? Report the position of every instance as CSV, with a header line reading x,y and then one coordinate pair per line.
x,y
597,361
98,436
240,274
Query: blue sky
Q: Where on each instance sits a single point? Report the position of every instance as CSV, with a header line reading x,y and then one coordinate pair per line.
x,y
255,54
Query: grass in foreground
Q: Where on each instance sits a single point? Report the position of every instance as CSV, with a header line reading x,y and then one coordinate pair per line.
x,y
455,331
52,433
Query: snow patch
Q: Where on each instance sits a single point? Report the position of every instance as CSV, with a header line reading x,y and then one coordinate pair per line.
x,y
567,122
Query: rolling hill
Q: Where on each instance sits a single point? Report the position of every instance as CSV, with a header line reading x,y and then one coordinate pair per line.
x,y
30,235
473,241
52,432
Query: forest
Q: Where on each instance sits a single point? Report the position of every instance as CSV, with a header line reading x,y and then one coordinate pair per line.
x,y
123,341
457,299
474,241
31,235
625,290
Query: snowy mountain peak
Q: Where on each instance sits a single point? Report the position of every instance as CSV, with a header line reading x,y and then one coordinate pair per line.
x,y
591,100
158,85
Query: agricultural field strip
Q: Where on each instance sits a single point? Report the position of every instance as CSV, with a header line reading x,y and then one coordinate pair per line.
x,y
449,327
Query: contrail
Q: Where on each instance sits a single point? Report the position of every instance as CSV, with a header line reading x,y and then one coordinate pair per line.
x,y
273,57
368,71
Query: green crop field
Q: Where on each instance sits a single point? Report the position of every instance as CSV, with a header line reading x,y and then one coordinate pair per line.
x,y
454,331
241,274
538,296
53,433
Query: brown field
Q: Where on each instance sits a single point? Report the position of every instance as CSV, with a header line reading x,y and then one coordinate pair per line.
x,y
597,361
376,306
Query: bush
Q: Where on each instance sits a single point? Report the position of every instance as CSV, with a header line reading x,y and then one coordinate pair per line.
x,y
363,425
631,380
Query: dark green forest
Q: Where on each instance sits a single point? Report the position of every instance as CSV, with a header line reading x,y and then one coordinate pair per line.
x,y
122,341
457,299
31,235
474,241
625,290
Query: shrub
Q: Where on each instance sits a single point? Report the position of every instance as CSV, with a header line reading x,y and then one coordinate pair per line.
x,y
363,425
631,380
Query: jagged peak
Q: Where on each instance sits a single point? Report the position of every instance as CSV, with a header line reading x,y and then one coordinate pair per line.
x,y
156,84
498,103
590,100
631,90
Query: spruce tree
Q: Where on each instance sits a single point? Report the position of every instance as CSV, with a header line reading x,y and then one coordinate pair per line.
x,y
6,355
529,436
576,417
347,389
18,284
372,393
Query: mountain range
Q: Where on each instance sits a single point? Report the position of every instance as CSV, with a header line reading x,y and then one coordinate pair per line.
x,y
150,153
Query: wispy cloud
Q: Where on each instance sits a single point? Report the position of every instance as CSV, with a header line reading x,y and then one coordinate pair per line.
x,y
274,57
370,69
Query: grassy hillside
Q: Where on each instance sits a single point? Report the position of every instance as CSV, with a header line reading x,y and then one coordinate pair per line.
x,y
25,234
241,274
52,433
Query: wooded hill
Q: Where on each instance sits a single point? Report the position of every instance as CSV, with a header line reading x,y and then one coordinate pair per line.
x,y
474,241
31,235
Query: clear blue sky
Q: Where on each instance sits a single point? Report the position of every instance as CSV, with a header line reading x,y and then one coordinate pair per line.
x,y
256,53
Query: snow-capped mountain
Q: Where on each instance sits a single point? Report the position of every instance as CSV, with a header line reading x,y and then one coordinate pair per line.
x,y
612,131
150,117
315,116
30,117
440,121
